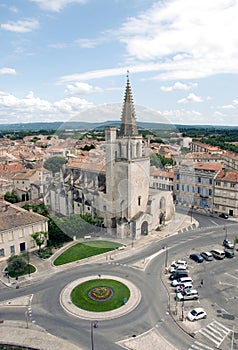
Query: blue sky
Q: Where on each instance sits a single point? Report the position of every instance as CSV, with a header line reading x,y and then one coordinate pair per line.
x,y
60,58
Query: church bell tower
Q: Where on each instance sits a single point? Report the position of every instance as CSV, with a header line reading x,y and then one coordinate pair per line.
x,y
127,167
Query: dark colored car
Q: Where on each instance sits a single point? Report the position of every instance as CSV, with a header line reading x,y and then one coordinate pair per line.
x,y
224,216
228,244
178,274
196,257
229,253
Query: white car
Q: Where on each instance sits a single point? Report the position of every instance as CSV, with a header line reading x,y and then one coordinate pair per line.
x,y
183,286
190,294
177,268
181,264
181,280
196,314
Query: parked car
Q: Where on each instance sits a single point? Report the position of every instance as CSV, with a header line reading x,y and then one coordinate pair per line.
x,y
178,262
177,274
177,268
196,314
207,256
191,294
218,254
228,244
224,216
181,280
196,257
183,286
229,253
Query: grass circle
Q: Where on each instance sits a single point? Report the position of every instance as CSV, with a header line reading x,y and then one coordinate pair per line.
x,y
80,295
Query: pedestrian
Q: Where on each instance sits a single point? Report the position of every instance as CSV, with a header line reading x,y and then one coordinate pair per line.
x,y
201,282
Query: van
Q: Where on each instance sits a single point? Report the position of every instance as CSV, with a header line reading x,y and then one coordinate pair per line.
x,y
177,274
218,254
181,280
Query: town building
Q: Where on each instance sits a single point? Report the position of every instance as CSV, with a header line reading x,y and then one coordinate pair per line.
x,y
16,227
194,184
197,146
226,193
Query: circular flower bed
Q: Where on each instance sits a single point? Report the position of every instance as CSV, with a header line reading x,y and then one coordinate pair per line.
x,y
100,293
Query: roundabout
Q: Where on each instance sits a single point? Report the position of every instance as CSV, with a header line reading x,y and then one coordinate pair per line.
x,y
102,292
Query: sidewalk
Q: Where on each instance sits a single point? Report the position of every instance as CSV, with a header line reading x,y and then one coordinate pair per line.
x,y
31,335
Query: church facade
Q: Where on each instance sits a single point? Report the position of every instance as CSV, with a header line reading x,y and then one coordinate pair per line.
x,y
113,183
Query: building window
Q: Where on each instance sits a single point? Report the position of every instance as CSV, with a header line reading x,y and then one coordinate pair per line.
x,y
218,183
12,249
2,252
21,233
210,181
10,236
233,185
210,192
178,176
139,200
199,179
104,207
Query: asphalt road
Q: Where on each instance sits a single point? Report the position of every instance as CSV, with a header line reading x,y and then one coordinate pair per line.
x,y
153,308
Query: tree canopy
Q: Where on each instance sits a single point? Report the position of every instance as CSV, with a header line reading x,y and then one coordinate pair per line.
x,y
54,164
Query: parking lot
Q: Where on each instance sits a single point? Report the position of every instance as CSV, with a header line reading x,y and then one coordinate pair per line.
x,y
218,296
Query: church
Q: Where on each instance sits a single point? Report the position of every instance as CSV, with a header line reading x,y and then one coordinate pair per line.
x,y
113,182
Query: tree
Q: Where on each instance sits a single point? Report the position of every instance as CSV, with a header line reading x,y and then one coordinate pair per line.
x,y
11,197
40,238
54,164
16,264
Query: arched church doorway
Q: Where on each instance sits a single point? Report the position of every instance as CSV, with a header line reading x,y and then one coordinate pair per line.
x,y
144,228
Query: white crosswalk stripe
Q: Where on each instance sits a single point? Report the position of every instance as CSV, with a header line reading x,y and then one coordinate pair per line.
x,y
215,332
199,346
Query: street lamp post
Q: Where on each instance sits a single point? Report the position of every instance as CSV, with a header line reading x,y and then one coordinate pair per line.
x,y
28,264
27,321
191,213
225,229
94,324
166,258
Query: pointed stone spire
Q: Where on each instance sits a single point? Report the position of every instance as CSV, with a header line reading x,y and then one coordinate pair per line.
x,y
128,121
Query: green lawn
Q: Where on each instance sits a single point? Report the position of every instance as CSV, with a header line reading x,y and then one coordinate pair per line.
x,y
80,298
84,250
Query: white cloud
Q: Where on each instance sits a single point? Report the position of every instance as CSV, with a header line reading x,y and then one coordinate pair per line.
x,y
219,114
178,86
13,9
56,5
235,102
6,70
36,109
82,88
88,43
190,98
196,39
24,26
227,107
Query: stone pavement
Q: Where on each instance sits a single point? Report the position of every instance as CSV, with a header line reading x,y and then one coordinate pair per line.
x,y
29,334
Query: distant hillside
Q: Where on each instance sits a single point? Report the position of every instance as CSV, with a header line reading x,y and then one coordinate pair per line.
x,y
84,126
